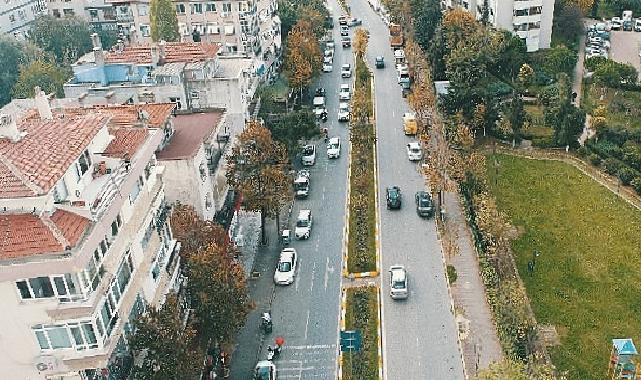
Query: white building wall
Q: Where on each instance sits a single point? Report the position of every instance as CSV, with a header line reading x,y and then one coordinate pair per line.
x,y
16,15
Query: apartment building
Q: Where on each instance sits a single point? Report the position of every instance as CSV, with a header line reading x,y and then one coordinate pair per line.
x,y
530,20
86,241
98,13
17,15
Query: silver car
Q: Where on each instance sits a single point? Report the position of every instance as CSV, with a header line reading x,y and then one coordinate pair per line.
x,y
398,282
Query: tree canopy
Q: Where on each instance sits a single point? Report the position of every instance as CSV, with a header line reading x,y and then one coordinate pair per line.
x,y
66,39
164,21
47,75
13,55
303,57
292,127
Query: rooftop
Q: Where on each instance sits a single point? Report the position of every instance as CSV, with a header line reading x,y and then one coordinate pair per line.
x,y
233,67
23,235
33,165
191,131
174,52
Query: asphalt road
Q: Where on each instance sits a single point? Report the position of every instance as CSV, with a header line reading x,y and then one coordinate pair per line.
x,y
419,334
306,313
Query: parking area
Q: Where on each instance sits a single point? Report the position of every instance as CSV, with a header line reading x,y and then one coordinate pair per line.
x,y
625,47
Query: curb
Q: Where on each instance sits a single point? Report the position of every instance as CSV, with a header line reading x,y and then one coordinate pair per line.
x,y
380,334
341,316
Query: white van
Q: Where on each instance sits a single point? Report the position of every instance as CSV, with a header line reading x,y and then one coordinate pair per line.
x,y
304,224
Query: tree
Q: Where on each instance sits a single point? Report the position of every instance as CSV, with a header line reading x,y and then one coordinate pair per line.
x,y
510,56
303,57
360,42
290,128
427,17
517,370
66,39
567,22
613,74
164,22
558,59
526,73
517,117
108,38
256,168
360,106
567,120
40,73
599,118
163,346
12,55
193,232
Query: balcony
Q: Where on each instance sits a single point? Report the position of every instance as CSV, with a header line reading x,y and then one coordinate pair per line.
x,y
124,18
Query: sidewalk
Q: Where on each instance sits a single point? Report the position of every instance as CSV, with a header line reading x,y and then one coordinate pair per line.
x,y
259,262
477,330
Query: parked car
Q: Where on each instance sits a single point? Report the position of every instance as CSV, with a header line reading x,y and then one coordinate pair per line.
x,y
343,112
399,56
346,41
265,370
342,20
343,93
308,156
330,46
286,269
424,204
303,224
301,184
414,151
344,30
398,283
394,197
334,147
380,62
637,25
328,53
346,70
354,21
320,92
328,65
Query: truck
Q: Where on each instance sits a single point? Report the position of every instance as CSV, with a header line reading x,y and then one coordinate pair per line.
x,y
396,36
627,21
410,127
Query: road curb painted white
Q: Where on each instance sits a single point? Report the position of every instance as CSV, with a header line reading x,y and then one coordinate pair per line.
x,y
342,322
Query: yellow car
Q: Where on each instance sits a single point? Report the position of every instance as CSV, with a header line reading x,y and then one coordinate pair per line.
x,y
409,124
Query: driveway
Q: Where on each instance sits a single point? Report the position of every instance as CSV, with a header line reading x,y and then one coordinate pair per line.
x,y
419,334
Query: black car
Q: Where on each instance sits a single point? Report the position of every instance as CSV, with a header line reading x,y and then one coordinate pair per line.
x,y
394,197
424,204
380,62
347,42
320,92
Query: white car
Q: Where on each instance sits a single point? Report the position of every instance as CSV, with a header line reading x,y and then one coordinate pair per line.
x,y
343,112
334,147
303,224
301,184
346,70
330,46
265,370
402,67
286,269
399,56
398,284
328,65
329,53
308,157
414,151
343,93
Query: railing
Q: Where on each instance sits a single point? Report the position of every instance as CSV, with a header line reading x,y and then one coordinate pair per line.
x,y
124,18
109,190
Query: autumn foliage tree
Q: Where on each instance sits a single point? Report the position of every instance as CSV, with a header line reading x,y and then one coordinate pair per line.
x,y
256,168
164,21
360,42
164,348
303,57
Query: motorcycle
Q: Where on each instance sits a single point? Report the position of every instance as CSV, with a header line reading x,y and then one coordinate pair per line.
x,y
266,323
273,352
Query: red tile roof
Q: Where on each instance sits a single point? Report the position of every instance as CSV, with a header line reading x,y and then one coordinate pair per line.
x,y
72,226
191,131
126,115
44,154
126,141
23,235
174,52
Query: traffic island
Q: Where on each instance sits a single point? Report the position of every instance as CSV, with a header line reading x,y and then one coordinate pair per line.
x,y
360,334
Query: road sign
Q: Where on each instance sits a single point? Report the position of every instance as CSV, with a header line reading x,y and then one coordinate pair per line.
x,y
351,340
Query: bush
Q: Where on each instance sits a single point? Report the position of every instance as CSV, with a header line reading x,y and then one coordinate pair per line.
x,y
451,274
582,151
626,175
595,159
612,166
605,148
636,184
543,142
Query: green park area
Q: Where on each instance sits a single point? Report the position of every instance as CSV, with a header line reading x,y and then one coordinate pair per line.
x,y
586,279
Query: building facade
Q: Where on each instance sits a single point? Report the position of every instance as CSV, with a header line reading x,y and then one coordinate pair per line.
x,y
530,20
17,15
87,242
98,13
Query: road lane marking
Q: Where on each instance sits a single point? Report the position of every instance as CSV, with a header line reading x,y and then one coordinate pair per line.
x,y
307,324
296,281
311,288
310,347
326,272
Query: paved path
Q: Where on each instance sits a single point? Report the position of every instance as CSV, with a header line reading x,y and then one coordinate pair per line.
x,y
480,341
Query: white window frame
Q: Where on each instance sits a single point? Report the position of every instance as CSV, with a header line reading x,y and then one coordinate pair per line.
x,y
85,344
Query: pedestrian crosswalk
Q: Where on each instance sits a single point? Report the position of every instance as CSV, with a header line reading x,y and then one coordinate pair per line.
x,y
307,362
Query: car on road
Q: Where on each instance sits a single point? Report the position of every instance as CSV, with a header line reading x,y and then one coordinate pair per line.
x,y
346,42
330,46
398,284
301,184
308,156
414,151
343,112
394,197
329,53
286,268
320,92
328,65
265,370
424,204
334,147
344,30
410,126
342,20
303,224
346,70
354,21
343,93
380,62
399,56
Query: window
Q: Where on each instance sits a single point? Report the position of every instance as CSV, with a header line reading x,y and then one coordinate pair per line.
x,y
41,287
84,162
147,236
143,9
229,29
12,18
194,95
108,316
115,226
180,9
177,101
56,13
136,190
61,286
145,30
210,7
212,28
79,335
196,9
226,7
68,12
93,14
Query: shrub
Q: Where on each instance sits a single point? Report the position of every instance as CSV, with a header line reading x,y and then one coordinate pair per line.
x,y
605,148
595,159
543,142
451,274
611,165
582,151
626,175
636,184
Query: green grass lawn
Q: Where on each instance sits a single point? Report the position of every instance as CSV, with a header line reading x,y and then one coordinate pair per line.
x,y
362,315
624,107
586,280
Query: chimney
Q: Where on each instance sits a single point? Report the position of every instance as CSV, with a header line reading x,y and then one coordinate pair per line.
x,y
99,56
9,128
42,104
161,52
155,56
